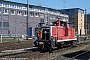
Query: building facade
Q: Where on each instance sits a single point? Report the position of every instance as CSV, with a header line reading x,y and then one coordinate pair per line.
x,y
76,16
13,16
87,26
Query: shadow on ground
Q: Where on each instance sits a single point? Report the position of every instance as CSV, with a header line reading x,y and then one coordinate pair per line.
x,y
82,57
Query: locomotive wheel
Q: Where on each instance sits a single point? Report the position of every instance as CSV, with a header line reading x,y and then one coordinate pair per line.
x,y
35,44
74,43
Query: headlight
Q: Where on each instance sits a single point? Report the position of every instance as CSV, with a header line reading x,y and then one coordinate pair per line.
x,y
41,43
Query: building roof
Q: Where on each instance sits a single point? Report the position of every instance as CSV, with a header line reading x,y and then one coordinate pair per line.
x,y
72,9
30,5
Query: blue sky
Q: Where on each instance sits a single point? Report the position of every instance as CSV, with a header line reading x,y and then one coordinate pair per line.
x,y
59,4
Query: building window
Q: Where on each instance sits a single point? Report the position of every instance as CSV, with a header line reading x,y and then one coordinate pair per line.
x,y
41,15
6,5
81,15
67,11
13,6
6,11
25,13
13,12
52,17
0,10
36,14
42,20
0,3
5,24
31,14
19,12
57,17
0,24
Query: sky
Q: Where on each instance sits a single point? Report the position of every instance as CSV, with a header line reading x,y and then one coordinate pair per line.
x,y
59,4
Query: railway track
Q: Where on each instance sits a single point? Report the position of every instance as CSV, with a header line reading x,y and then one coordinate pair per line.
x,y
31,53
17,51
24,50
27,52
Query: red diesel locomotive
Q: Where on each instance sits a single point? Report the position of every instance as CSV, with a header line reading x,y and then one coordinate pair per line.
x,y
60,33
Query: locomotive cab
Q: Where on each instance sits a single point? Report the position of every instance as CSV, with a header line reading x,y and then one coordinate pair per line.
x,y
45,33
43,37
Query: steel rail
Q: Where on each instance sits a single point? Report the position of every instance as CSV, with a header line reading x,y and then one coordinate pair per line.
x,y
17,51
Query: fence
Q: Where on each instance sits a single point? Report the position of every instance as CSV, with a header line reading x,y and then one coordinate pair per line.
x,y
11,37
